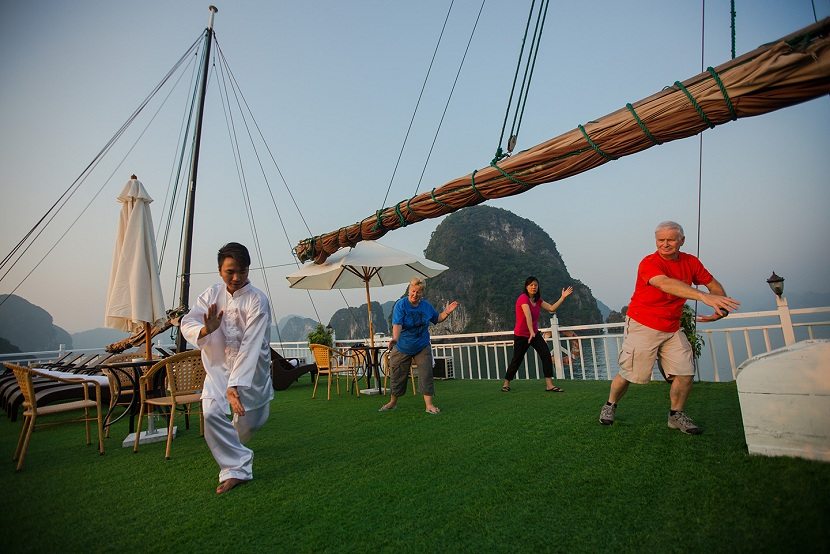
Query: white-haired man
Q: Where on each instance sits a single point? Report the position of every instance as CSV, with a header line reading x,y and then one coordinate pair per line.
x,y
652,324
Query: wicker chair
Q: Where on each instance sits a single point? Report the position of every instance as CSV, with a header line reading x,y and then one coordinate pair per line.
x,y
185,377
334,362
32,410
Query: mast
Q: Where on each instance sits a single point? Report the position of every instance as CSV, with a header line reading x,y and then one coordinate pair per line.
x,y
187,238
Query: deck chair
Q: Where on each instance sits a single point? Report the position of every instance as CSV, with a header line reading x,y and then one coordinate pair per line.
x,y
32,409
333,362
46,390
283,374
184,379
386,366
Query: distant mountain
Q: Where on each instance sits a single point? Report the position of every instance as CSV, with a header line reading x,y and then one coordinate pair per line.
x,y
388,307
7,348
28,327
293,328
97,338
490,251
353,323
603,310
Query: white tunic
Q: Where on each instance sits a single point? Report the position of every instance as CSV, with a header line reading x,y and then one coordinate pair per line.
x,y
238,353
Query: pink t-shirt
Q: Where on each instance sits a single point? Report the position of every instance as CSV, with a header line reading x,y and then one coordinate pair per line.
x,y
654,308
521,329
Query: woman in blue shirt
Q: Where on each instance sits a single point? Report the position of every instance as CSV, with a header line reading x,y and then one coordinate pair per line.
x,y
410,341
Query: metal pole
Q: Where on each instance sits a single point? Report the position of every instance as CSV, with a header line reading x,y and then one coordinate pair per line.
x,y
187,238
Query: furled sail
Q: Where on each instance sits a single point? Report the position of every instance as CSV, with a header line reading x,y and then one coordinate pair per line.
x,y
789,71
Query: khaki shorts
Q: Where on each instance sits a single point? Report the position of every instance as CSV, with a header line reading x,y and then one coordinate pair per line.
x,y
643,345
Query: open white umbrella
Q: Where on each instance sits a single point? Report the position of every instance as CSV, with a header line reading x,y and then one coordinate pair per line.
x,y
368,264
134,298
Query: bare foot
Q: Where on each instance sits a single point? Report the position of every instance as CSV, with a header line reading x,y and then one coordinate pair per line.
x,y
228,484
434,410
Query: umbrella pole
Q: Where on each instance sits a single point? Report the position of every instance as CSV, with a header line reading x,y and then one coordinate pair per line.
x,y
371,327
373,362
148,342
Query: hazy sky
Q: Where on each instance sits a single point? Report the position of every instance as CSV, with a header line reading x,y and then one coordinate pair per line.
x,y
333,84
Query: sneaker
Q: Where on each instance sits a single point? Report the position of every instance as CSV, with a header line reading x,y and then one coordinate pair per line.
x,y
683,423
606,416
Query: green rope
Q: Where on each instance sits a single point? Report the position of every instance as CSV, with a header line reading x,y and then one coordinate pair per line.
x,y
409,207
432,194
722,88
594,145
510,177
473,180
401,218
378,226
697,107
642,125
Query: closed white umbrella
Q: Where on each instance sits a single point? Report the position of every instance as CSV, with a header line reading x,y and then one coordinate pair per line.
x,y
134,298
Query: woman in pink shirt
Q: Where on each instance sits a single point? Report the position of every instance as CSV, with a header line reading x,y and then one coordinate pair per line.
x,y
526,332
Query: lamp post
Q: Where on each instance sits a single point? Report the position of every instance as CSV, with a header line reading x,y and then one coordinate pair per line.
x,y
330,331
776,284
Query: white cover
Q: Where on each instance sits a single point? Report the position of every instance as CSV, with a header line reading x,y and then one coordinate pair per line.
x,y
785,401
369,262
134,295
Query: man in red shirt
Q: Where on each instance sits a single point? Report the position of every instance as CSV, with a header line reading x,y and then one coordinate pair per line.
x,y
652,324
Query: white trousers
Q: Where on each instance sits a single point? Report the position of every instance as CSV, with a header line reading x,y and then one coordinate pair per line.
x,y
225,438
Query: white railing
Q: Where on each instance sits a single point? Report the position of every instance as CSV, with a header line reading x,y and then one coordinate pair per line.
x,y
486,355
726,346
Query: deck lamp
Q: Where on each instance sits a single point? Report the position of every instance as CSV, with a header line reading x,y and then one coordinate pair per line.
x,y
776,283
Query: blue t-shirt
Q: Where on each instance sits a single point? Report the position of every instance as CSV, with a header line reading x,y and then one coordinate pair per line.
x,y
414,322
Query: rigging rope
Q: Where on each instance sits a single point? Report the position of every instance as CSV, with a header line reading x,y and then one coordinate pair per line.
x,y
732,25
41,225
449,97
417,104
229,83
58,205
525,86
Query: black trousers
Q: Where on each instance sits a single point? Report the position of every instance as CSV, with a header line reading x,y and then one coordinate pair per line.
x,y
520,346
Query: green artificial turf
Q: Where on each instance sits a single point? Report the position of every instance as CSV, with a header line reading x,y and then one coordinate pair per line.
x,y
525,471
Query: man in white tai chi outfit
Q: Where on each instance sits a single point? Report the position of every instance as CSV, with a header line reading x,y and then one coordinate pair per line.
x,y
230,323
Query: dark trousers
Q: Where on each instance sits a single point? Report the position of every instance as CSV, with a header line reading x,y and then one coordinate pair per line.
x,y
520,346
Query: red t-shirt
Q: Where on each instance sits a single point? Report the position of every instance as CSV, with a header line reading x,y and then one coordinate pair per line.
x,y
521,330
654,308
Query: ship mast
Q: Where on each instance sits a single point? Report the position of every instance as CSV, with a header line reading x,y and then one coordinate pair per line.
x,y
187,238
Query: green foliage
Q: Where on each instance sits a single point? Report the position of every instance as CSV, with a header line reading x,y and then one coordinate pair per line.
x,y
318,458
320,335
689,326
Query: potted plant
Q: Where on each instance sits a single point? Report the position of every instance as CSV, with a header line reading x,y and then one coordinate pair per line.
x,y
689,326
320,335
